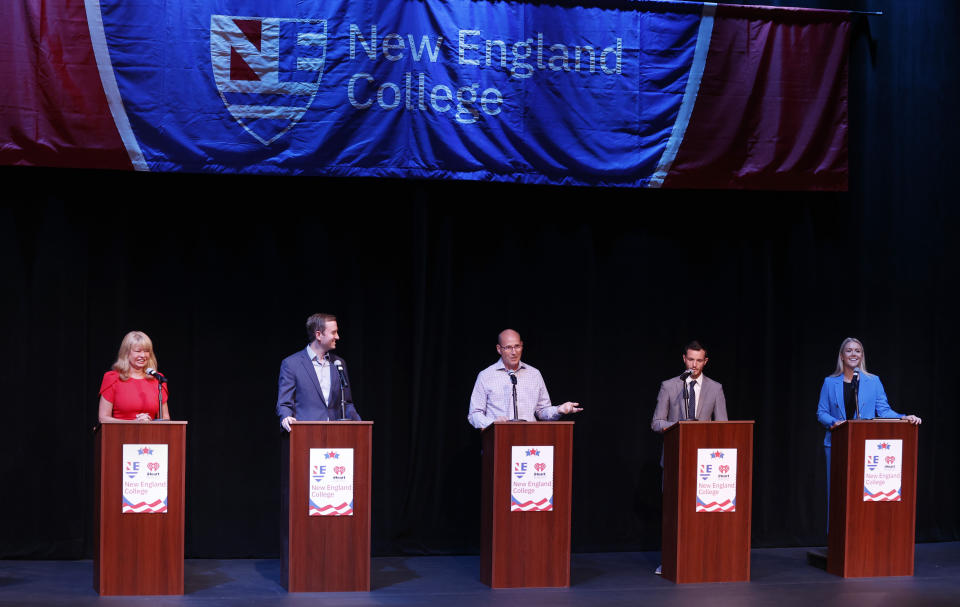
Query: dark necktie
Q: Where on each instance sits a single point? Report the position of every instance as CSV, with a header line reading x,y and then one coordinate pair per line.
x,y
692,406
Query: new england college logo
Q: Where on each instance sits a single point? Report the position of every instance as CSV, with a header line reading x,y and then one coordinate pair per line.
x,y
132,469
267,70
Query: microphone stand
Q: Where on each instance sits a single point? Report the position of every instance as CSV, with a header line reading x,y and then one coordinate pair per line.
x,y
343,394
513,380
856,395
160,381
686,395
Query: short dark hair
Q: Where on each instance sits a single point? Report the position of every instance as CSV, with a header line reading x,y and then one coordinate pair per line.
x,y
317,322
694,345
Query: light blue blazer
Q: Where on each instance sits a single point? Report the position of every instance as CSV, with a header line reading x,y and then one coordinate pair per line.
x,y
872,400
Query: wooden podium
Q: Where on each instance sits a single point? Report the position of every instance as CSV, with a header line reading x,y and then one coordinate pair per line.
x,y
705,546
325,553
867,538
138,553
525,549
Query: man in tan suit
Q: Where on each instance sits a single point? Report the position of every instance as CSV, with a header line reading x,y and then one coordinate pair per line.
x,y
704,397
705,400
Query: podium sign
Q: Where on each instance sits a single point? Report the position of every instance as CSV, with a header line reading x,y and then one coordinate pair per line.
x,y
144,479
331,482
883,470
531,478
717,482
873,492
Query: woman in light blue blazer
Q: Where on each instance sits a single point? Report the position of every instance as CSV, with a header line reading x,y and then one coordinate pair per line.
x,y
840,400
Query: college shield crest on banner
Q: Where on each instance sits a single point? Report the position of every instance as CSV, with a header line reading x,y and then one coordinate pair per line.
x,y
267,70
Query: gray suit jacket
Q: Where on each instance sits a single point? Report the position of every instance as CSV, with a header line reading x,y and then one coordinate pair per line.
x,y
670,406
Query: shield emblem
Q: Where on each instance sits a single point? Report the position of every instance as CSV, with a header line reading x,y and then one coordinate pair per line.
x,y
267,70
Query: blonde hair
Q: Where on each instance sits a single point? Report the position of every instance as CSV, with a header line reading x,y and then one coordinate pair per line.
x,y
863,357
131,339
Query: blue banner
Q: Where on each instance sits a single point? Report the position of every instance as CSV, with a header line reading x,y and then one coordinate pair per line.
x,y
467,89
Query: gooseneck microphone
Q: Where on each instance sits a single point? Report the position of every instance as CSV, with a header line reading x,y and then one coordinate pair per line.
x,y
156,374
686,374
343,376
513,380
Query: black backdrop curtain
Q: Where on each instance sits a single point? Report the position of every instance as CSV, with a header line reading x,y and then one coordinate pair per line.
x,y
222,271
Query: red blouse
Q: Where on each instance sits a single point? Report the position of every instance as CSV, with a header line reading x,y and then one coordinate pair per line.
x,y
132,396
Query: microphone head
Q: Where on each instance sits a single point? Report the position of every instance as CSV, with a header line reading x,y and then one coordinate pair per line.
x,y
151,370
513,378
338,364
686,374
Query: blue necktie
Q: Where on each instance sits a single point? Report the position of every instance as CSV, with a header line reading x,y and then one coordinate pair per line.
x,y
692,406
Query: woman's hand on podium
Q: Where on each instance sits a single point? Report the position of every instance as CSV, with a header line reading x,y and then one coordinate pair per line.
x,y
913,419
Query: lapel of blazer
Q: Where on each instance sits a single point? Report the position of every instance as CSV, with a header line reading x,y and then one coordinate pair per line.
x,y
312,374
706,397
838,397
681,404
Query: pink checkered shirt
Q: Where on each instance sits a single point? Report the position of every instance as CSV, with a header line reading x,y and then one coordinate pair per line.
x,y
493,396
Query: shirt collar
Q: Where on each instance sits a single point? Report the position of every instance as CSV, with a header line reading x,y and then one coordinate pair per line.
x,y
499,366
313,356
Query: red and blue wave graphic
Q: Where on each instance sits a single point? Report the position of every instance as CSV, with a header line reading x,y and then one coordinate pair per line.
x,y
343,509
724,506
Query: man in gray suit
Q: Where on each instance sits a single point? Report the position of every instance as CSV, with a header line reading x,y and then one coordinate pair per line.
x,y
705,400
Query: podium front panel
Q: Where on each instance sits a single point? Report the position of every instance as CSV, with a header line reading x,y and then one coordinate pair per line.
x,y
138,554
705,546
327,553
525,549
870,538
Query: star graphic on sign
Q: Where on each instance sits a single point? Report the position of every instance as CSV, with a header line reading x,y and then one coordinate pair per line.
x,y
716,454
146,450
883,445
332,454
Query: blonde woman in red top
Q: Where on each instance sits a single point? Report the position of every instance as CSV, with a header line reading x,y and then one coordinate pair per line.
x,y
127,392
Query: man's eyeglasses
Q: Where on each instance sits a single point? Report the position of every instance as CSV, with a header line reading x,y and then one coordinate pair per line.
x,y
515,348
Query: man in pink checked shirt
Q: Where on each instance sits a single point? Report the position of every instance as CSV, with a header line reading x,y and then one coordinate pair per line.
x,y
492,398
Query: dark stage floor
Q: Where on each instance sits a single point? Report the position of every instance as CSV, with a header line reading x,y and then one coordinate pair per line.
x,y
781,577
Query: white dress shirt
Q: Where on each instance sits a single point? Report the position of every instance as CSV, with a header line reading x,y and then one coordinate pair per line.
x,y
321,366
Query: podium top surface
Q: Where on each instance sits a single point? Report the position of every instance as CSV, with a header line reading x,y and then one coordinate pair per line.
x,y
131,422
334,422
526,423
874,420
690,422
